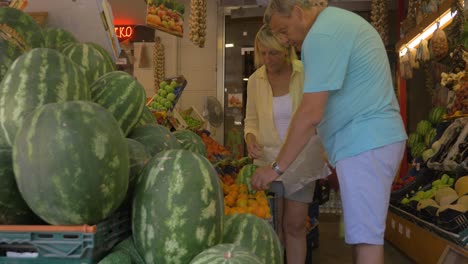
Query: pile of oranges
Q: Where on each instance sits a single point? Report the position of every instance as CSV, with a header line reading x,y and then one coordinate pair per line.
x,y
237,199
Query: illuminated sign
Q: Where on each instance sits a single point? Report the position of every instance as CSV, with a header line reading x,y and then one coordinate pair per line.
x,y
124,32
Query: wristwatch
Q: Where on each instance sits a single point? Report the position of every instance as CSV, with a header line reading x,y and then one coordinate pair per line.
x,y
276,168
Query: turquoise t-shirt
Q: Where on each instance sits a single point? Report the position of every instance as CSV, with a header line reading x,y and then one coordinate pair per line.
x,y
344,55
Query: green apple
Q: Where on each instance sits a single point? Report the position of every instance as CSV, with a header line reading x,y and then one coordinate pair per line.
x,y
162,93
171,97
169,89
168,104
162,84
173,84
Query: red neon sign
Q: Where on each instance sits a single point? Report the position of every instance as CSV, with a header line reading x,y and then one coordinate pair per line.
x,y
124,32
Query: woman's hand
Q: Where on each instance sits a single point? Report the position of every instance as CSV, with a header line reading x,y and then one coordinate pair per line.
x,y
263,177
254,149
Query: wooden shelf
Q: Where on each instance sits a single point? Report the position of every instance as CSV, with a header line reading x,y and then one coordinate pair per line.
x,y
446,4
420,244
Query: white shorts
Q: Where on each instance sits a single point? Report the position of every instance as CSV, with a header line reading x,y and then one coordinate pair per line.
x,y
365,185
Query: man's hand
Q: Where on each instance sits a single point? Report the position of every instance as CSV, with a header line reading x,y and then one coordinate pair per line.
x,y
263,177
254,149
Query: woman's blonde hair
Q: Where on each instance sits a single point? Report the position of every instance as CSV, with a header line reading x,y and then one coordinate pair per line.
x,y
284,7
265,38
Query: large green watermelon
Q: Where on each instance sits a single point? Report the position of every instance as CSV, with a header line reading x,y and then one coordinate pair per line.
x,y
122,95
56,38
191,141
13,209
245,175
105,54
146,117
155,138
129,247
116,257
139,157
178,208
8,54
36,78
254,234
89,58
20,29
71,163
436,115
226,253
423,127
414,139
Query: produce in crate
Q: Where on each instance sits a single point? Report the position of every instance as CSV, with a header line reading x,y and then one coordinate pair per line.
x,y
254,234
116,257
445,196
89,58
213,148
55,38
191,141
20,29
38,77
165,99
122,95
129,247
13,209
71,163
178,208
226,253
237,200
155,138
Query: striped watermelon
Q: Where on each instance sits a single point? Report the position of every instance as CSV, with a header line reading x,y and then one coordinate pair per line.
x,y
178,208
71,163
8,54
146,117
20,29
155,138
254,234
116,257
88,57
414,139
245,175
139,157
226,253
191,141
122,95
104,53
129,247
429,137
423,127
13,209
436,115
37,77
55,38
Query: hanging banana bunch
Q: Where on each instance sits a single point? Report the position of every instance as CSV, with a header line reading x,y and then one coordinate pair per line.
x,y
379,18
158,63
197,22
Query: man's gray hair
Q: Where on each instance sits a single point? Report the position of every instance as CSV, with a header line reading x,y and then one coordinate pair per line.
x,y
284,7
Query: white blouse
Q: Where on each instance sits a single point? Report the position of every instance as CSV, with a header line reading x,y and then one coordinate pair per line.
x,y
282,111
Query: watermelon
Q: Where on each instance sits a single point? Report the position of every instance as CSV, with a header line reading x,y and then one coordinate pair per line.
x,y
155,138
129,247
429,137
226,253
116,257
104,54
254,234
177,208
245,175
191,141
38,77
89,58
20,29
13,209
436,115
55,38
146,117
139,157
71,163
423,127
8,54
417,150
122,95
414,139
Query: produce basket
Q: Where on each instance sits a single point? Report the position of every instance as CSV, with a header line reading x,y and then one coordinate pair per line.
x,y
193,114
47,244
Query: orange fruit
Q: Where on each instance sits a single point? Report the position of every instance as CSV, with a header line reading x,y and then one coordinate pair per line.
x,y
229,200
241,203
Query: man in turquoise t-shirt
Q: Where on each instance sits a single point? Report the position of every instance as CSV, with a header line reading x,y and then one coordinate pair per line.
x,y
349,99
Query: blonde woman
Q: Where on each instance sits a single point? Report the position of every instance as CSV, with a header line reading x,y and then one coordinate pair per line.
x,y
274,92
349,99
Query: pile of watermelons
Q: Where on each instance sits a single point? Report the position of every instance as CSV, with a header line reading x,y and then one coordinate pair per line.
x,y
77,142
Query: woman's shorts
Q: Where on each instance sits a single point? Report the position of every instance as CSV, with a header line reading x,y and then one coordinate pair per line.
x,y
365,185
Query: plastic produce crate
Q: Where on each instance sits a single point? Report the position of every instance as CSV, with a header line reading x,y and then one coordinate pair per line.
x,y
48,244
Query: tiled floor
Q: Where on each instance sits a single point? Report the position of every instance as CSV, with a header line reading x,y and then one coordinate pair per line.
x,y
333,250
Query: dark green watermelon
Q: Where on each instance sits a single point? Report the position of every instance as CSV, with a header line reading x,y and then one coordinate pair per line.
x,y
146,117
55,38
155,138
20,29
139,157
